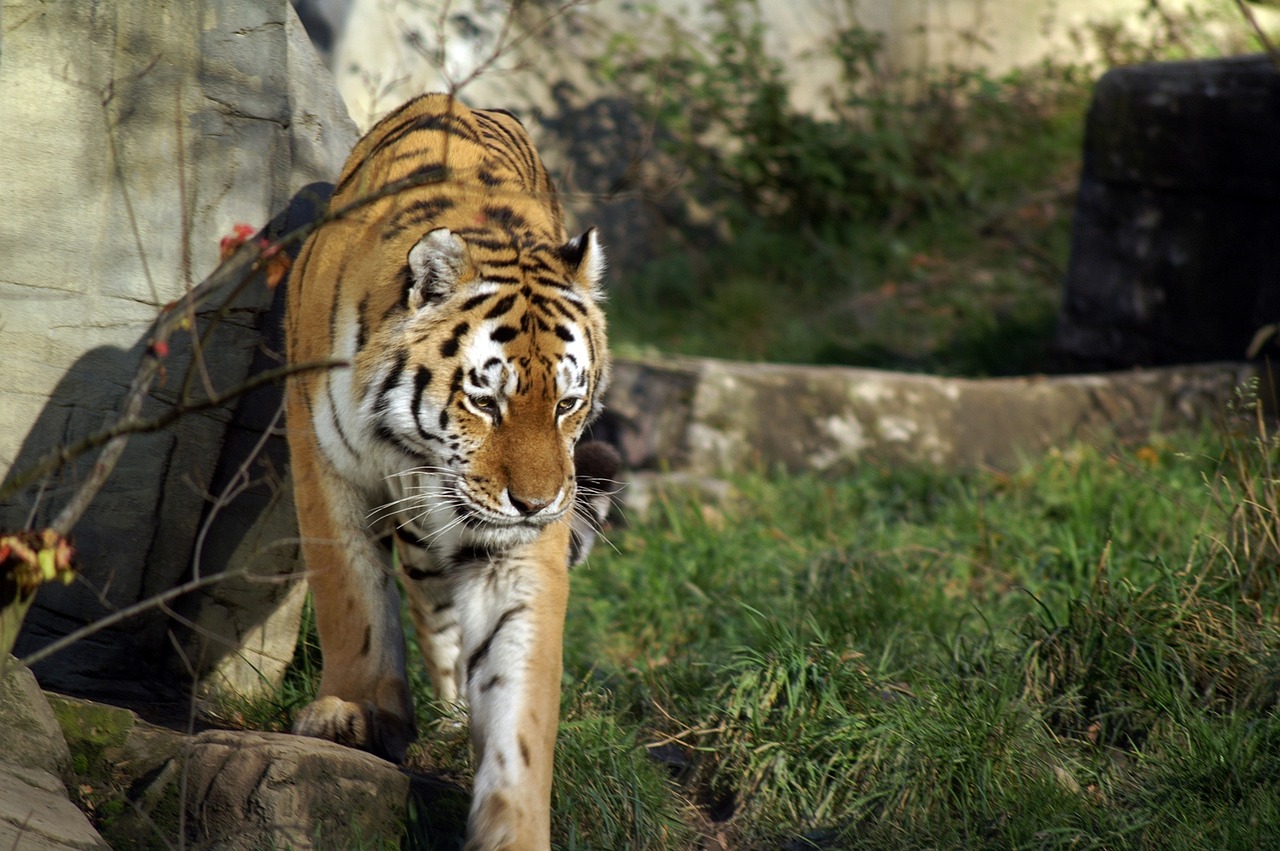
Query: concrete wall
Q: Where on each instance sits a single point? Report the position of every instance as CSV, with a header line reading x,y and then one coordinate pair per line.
x,y
378,63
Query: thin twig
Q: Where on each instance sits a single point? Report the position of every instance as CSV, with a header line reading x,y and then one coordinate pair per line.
x,y
1272,53
124,614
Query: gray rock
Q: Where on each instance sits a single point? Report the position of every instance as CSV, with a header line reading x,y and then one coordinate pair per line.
x,y
273,790
709,417
32,735
1173,254
158,788
136,135
35,812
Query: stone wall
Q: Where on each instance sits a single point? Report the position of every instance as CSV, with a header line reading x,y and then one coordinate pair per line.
x,y
135,136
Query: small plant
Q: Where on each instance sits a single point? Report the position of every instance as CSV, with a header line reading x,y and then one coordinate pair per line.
x,y
1251,495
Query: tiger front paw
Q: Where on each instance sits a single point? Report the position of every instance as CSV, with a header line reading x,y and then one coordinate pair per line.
x,y
356,725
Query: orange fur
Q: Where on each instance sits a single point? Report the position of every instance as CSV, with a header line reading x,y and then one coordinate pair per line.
x,y
474,355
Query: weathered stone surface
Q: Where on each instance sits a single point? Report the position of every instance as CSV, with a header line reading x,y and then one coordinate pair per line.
x,y
544,66
1173,254
35,812
272,790
36,815
126,770
719,416
235,790
31,732
136,135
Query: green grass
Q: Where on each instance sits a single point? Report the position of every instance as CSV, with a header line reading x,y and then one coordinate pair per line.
x,y
1061,658
1081,654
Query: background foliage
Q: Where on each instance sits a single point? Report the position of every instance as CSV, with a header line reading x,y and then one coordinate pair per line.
x,y
917,219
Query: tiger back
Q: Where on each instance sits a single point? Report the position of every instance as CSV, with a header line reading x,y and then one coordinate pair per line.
x,y
470,354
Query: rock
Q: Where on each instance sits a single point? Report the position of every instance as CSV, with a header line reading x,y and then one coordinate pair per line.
x,y
646,490
1173,252
708,417
32,735
35,812
273,790
227,789
36,815
136,136
124,772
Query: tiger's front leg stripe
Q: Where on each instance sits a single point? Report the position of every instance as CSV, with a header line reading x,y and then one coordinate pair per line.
x,y
513,687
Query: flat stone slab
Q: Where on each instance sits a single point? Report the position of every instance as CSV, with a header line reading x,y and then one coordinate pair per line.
x,y
711,417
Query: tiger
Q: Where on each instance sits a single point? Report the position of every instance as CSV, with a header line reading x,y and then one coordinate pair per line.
x,y
467,347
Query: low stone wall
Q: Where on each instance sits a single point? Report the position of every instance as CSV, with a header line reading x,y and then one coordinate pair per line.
x,y
710,417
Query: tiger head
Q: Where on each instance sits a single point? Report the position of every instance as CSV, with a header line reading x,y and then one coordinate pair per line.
x,y
511,364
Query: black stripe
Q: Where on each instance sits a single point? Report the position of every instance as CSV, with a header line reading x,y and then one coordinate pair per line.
x,y
407,283
480,238
478,655
516,143
384,433
412,540
470,554
475,301
337,425
449,123
392,379
506,216
420,381
449,347
503,334
503,305
420,573
416,214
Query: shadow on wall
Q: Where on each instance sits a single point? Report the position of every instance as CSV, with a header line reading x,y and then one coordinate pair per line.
x,y
205,496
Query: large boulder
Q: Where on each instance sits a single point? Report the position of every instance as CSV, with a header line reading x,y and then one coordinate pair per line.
x,y
135,136
1173,256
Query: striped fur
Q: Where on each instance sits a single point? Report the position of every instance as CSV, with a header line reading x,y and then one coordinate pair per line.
x,y
474,356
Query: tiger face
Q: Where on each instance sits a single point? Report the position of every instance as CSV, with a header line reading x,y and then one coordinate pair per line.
x,y
524,376
466,352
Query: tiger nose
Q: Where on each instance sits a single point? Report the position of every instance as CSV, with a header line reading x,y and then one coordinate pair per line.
x,y
527,505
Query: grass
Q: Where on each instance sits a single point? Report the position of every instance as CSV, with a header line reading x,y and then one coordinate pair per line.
x,y
1081,654
1062,658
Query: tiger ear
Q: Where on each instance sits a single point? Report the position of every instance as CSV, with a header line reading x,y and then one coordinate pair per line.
x,y
585,255
437,264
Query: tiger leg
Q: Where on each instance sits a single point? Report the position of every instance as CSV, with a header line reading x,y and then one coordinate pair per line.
x,y
430,594
363,700
513,630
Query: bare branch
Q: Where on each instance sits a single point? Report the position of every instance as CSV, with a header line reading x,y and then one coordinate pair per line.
x,y
127,612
